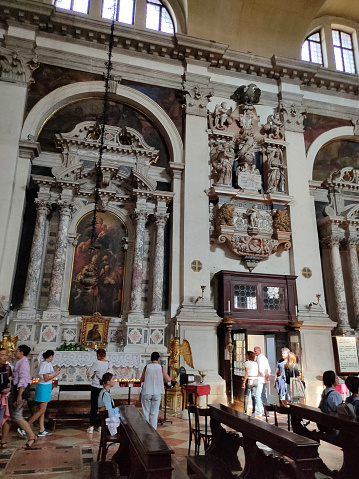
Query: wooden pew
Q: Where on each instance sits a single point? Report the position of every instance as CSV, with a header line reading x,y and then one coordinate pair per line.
x,y
142,453
347,439
286,453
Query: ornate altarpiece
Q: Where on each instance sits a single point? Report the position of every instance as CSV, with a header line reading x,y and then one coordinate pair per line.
x,y
128,190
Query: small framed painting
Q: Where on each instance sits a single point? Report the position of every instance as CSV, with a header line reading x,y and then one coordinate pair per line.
x,y
94,331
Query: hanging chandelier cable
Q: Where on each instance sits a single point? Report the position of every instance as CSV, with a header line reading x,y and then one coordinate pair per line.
x,y
98,166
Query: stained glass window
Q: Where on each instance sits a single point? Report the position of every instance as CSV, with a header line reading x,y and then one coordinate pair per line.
x,y
122,10
343,51
158,18
312,49
78,6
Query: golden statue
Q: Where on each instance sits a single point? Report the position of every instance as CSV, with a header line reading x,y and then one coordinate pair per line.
x,y
176,350
8,342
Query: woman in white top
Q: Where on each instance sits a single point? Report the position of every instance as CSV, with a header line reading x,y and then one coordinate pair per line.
x,y
46,373
153,377
250,381
97,370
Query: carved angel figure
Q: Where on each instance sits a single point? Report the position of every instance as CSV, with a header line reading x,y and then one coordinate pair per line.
x,y
245,119
221,115
253,217
176,350
274,125
275,170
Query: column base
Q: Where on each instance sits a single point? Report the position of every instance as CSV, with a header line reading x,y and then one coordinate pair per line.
x,y
52,314
345,330
157,318
26,314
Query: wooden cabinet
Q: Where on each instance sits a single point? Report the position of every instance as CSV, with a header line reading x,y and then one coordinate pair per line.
x,y
257,301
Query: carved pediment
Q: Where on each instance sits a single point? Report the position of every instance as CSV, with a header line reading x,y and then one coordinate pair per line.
x,y
122,145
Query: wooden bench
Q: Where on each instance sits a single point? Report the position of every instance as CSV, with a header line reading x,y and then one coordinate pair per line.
x,y
142,453
347,439
286,454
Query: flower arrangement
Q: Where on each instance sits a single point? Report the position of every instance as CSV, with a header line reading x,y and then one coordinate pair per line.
x,y
65,346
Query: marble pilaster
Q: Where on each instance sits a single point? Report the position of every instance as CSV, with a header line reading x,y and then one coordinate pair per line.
x,y
137,269
58,270
354,276
157,294
332,243
36,255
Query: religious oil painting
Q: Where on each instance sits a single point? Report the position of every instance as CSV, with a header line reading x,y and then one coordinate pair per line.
x,y
94,331
98,268
334,156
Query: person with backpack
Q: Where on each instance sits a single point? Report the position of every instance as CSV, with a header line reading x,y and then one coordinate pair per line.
x,y
96,372
330,397
352,402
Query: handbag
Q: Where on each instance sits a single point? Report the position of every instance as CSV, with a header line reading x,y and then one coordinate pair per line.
x,y
297,389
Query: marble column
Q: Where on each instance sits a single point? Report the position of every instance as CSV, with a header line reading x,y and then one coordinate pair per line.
x,y
332,243
58,268
36,255
157,294
137,269
354,277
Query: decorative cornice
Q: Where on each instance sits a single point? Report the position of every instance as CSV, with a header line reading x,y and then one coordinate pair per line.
x,y
179,47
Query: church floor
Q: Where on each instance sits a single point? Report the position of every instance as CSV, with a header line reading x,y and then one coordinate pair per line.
x,y
68,452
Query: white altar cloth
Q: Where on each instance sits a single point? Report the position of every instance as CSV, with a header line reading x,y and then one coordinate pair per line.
x,y
86,358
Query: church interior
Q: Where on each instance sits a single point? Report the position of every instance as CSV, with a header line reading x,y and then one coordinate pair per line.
x,y
180,176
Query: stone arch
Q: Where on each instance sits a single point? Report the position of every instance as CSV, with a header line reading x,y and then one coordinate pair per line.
x,y
343,132
55,100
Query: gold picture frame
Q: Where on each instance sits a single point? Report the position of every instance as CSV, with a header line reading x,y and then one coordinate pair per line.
x,y
94,331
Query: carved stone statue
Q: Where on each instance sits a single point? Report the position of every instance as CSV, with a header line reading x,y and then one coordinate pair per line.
x,y
274,125
221,116
246,151
222,158
275,170
253,214
246,119
247,95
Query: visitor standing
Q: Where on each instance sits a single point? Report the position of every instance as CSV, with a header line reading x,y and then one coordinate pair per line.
x,y
280,382
98,368
263,376
46,373
250,382
291,371
153,378
21,392
5,375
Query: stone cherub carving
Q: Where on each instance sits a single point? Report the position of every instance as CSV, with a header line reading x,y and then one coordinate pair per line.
x,y
275,170
222,158
247,95
221,116
224,215
274,125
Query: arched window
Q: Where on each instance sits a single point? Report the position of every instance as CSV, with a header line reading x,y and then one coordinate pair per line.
x,y
124,10
158,18
312,49
78,6
343,51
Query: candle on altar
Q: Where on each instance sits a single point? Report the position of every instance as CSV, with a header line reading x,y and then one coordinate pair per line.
x,y
177,331
229,305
